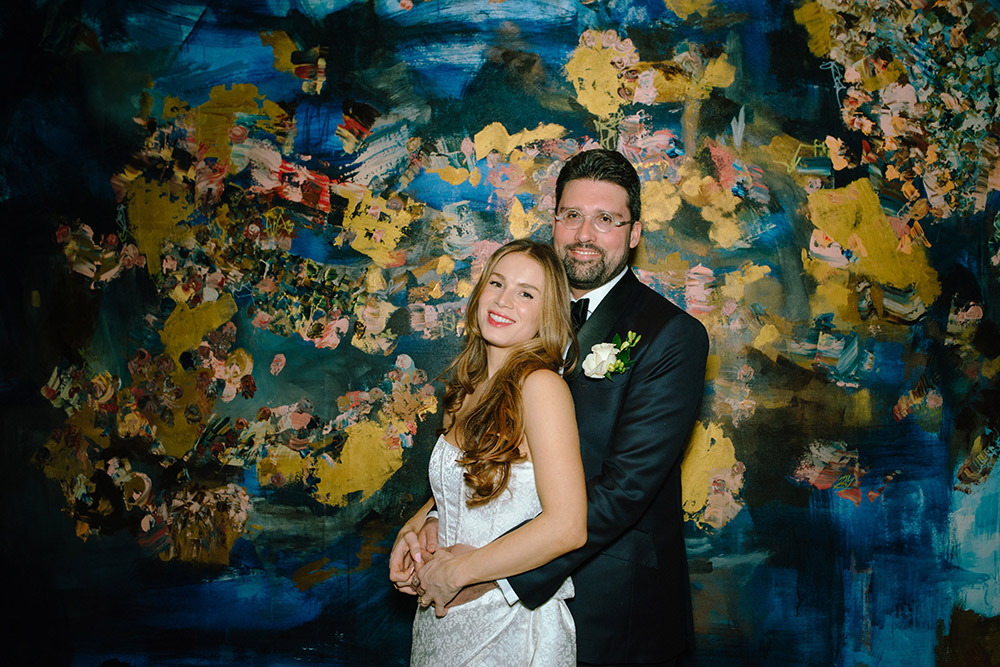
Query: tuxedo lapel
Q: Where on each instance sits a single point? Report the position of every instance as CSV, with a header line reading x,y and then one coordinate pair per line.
x,y
597,328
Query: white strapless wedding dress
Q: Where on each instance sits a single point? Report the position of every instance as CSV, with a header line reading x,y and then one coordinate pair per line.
x,y
488,631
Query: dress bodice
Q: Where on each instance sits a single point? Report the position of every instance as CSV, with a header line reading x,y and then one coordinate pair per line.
x,y
460,524
489,630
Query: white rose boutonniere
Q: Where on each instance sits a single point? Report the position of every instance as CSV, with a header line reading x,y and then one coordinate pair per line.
x,y
607,358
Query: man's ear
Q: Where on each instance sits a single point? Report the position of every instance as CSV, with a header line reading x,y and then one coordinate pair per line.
x,y
633,238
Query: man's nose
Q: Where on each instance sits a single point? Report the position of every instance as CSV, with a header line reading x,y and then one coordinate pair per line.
x,y
586,232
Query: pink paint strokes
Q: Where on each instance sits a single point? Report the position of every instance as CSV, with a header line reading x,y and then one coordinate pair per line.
x,y
830,465
277,364
723,502
102,259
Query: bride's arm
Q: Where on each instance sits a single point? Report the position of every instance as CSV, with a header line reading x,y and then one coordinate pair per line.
x,y
551,433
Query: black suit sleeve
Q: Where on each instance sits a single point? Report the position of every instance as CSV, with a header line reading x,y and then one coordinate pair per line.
x,y
660,408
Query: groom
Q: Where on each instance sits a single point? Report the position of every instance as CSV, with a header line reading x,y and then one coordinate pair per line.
x,y
633,600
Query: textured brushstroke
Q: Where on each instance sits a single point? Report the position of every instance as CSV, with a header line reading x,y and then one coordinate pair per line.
x,y
267,220
711,478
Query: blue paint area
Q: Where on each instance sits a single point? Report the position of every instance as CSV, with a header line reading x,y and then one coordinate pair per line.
x,y
218,55
888,369
894,547
253,601
439,194
317,121
799,577
315,244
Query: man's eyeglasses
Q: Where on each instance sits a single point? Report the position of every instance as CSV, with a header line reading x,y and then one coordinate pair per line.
x,y
602,221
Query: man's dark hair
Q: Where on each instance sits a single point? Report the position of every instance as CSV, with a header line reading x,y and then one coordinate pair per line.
x,y
600,164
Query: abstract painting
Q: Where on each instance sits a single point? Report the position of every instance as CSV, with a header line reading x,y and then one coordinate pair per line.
x,y
241,236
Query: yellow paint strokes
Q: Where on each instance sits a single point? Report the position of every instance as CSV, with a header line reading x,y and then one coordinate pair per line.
x,y
660,202
725,231
782,151
375,227
818,269
494,137
464,289
313,573
445,265
374,280
370,333
174,107
708,450
281,466
365,464
154,213
817,21
858,410
435,292
712,367
672,86
673,268
990,368
765,340
836,297
283,47
442,266
682,86
718,74
717,205
880,78
522,223
215,117
595,80
179,435
685,8
452,175
186,327
737,281
855,210
204,523
62,461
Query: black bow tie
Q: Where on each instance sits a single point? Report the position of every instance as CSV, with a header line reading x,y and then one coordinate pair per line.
x,y
578,313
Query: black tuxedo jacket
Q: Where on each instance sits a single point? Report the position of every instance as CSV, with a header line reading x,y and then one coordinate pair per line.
x,y
633,599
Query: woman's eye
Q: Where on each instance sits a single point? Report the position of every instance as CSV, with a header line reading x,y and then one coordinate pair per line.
x,y
527,295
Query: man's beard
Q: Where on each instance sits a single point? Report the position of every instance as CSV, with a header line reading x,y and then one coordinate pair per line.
x,y
593,274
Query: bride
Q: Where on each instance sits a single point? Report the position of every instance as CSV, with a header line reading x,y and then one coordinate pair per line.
x,y
506,475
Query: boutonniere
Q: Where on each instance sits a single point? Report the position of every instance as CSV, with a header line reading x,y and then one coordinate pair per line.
x,y
607,358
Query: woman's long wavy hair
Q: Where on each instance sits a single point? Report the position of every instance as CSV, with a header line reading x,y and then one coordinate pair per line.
x,y
490,432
